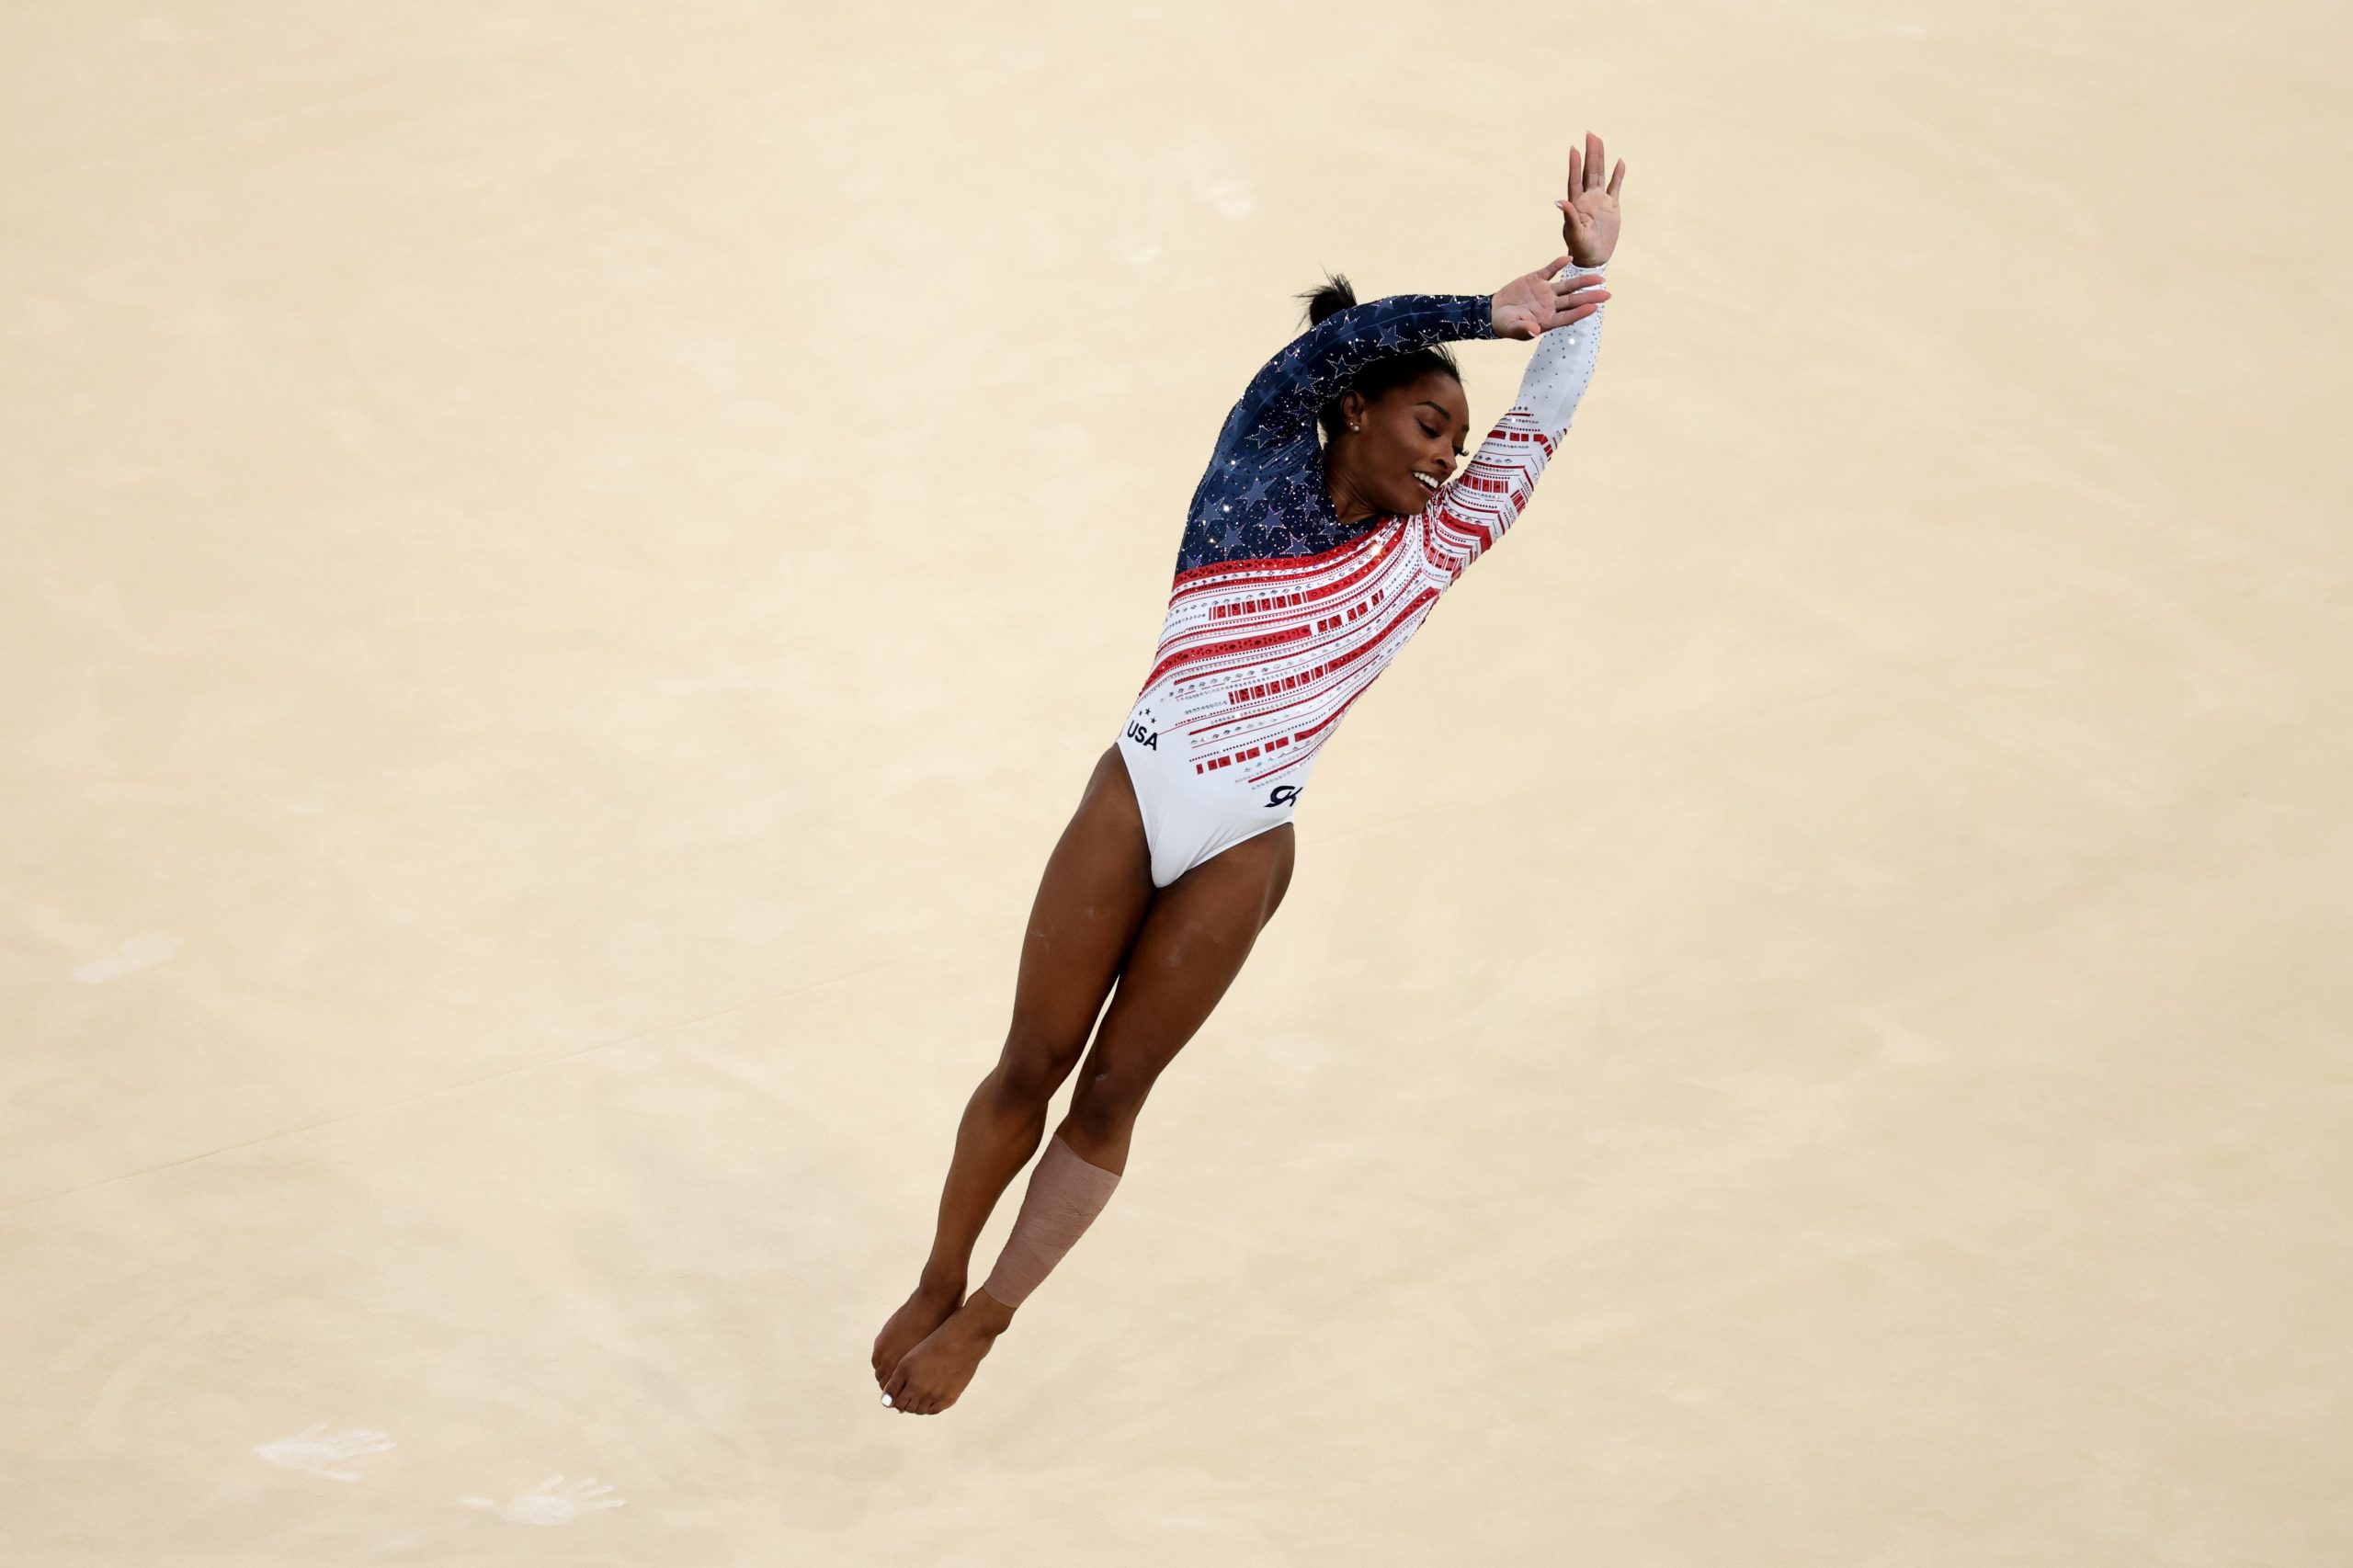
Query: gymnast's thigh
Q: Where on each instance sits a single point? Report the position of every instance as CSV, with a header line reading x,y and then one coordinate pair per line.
x,y
1089,905
1193,942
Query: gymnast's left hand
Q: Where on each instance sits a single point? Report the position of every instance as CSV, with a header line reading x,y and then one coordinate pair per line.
x,y
1546,298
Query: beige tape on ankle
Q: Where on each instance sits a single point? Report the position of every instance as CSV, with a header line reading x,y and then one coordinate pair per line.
x,y
1065,1194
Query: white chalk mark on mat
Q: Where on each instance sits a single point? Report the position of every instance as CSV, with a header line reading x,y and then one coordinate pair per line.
x,y
552,1501
309,1451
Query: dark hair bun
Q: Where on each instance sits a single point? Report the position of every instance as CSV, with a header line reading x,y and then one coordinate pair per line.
x,y
1381,377
1333,296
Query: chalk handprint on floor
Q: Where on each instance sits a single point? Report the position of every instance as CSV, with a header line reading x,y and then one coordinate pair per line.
x,y
552,1501
310,1451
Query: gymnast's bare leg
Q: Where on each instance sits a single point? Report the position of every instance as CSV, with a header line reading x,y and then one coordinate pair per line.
x,y
1090,903
1191,942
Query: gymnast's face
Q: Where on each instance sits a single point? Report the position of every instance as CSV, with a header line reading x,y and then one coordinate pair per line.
x,y
1407,443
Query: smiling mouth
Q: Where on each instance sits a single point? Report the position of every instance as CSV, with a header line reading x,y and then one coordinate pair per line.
x,y
1426,481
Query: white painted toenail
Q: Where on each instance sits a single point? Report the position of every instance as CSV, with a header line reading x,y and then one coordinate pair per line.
x,y
886,1399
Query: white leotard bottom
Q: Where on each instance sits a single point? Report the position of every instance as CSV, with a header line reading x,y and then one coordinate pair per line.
x,y
1186,820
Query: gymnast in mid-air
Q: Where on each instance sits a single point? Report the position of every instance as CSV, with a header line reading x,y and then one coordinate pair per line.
x,y
1305,565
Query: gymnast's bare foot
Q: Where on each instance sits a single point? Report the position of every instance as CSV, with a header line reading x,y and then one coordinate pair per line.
x,y
935,1372
932,1304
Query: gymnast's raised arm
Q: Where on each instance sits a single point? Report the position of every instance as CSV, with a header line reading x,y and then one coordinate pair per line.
x,y
1483,501
1282,399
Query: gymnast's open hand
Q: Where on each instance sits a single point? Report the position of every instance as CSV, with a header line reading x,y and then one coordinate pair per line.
x,y
1544,300
1589,212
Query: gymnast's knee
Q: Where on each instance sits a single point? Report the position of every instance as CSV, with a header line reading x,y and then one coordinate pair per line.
x,y
1033,1065
1107,1104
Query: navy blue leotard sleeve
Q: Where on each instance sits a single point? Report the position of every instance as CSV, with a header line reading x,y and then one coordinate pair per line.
x,y
1262,494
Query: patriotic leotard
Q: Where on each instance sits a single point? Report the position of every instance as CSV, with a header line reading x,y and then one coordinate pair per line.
x,y
1281,614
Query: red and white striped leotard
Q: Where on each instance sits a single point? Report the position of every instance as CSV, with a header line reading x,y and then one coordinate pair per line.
x,y
1259,657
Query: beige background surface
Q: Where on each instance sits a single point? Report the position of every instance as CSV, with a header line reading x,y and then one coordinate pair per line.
x,y
567,562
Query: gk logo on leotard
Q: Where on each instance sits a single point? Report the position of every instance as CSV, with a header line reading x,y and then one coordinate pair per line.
x,y
1282,795
1142,736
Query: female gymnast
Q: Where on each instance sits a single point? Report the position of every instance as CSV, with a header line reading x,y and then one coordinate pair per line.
x,y
1304,567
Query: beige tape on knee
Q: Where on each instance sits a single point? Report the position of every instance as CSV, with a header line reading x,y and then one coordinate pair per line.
x,y
1065,1194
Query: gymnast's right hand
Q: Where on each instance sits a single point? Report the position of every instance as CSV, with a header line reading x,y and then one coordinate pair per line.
x,y
1543,300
